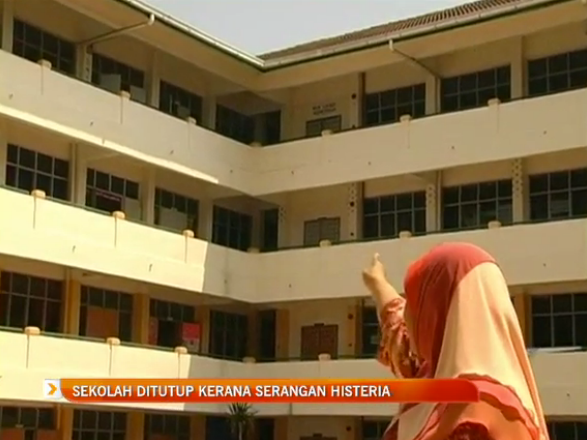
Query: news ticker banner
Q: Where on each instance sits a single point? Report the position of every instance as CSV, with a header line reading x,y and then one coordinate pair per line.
x,y
260,391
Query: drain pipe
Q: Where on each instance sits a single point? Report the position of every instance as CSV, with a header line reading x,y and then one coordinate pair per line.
x,y
117,32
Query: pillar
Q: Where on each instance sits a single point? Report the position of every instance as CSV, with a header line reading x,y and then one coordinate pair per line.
x,y
432,95
78,171
71,306
141,318
205,219
519,202
282,229
282,334
197,427
355,107
153,81
281,428
135,425
433,202
518,67
203,318
353,209
253,336
83,68
7,13
208,112
3,152
148,189
65,422
353,319
522,306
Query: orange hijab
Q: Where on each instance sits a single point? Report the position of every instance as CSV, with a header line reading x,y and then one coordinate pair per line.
x,y
465,326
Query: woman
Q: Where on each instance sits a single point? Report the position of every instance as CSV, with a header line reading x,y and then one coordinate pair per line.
x,y
457,321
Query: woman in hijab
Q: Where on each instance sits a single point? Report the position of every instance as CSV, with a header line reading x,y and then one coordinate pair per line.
x,y
457,321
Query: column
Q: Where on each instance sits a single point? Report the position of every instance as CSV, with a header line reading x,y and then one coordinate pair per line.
x,y
432,95
354,199
83,68
208,113
518,67
519,202
78,169
203,318
135,425
197,427
353,327
141,318
205,220
3,152
253,336
282,334
148,195
355,107
153,81
7,13
65,422
522,306
282,228
433,206
71,306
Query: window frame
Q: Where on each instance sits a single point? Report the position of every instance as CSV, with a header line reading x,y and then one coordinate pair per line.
x,y
390,105
543,319
221,231
543,72
229,335
391,207
333,123
172,97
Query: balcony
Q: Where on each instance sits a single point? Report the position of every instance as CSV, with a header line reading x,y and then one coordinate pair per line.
x,y
29,358
37,228
38,96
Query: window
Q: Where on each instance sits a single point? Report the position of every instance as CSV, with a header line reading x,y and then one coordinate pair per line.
x,y
265,428
27,418
116,76
235,125
567,430
267,334
387,216
559,320
168,319
390,105
28,170
35,44
231,229
370,331
98,425
557,73
326,228
475,89
476,204
218,428
271,127
173,426
30,301
178,102
228,334
106,192
176,211
270,229
373,429
315,127
558,195
105,313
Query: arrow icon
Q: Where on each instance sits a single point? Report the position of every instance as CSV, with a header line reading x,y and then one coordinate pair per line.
x,y
52,389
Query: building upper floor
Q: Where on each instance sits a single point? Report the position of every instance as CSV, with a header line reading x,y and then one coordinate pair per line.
x,y
466,92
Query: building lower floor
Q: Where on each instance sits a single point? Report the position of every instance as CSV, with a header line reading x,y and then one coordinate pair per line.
x,y
59,422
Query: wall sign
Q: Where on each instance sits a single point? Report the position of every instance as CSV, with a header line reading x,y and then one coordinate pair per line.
x,y
324,109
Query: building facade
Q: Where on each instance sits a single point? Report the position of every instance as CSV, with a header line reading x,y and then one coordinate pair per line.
x,y
221,205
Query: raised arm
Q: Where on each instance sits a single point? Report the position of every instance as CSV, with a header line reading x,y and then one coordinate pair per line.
x,y
394,346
